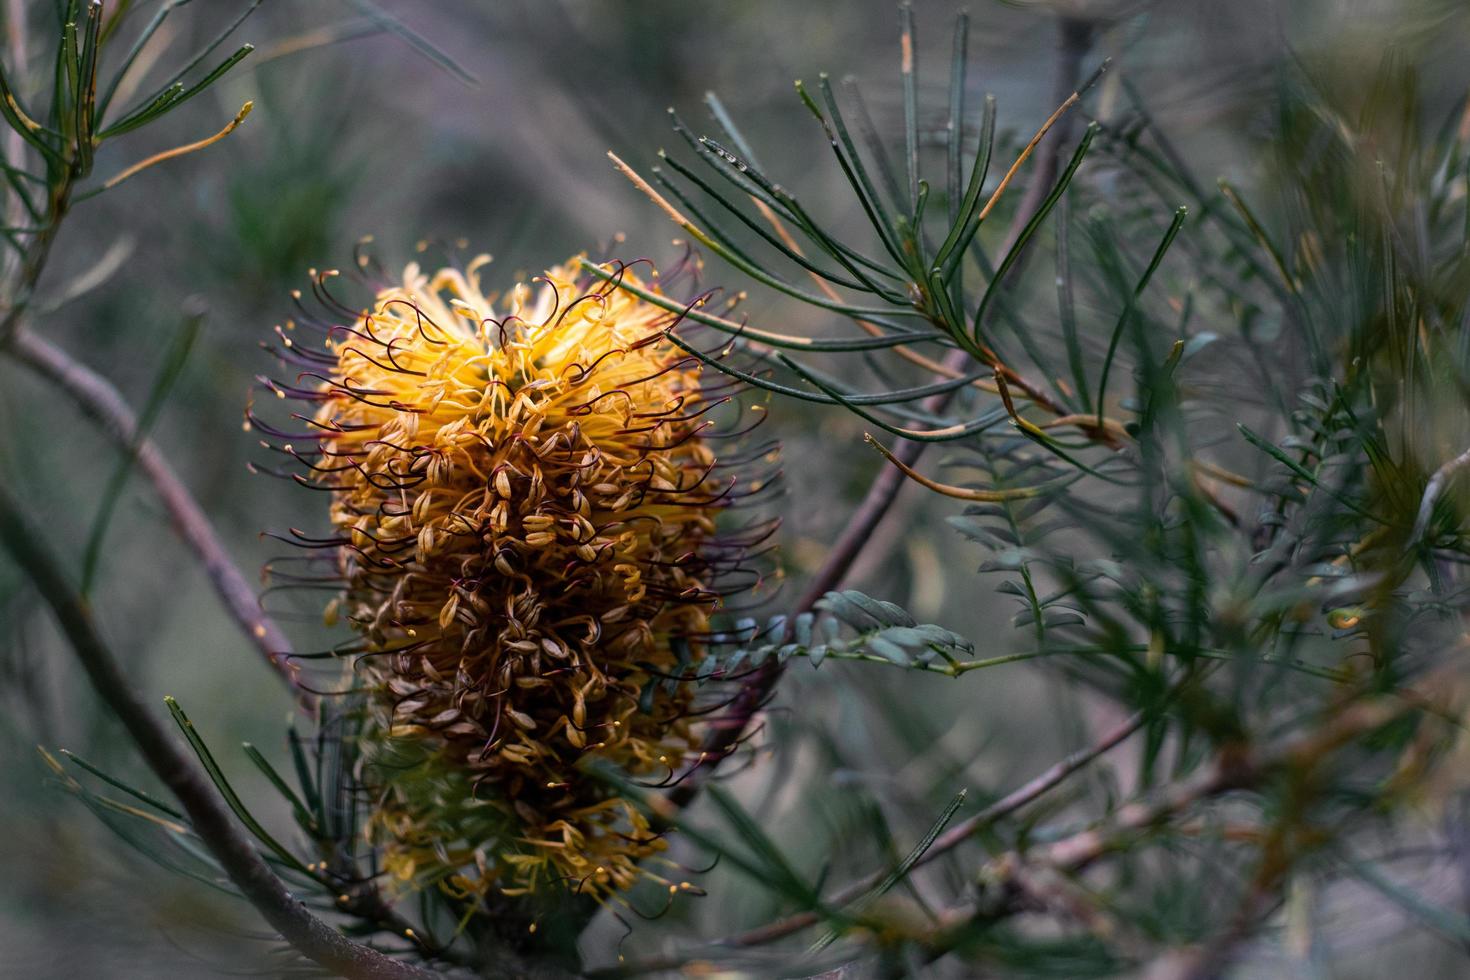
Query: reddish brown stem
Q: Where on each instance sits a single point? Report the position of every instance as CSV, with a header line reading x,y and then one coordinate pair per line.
x,y
208,817
102,402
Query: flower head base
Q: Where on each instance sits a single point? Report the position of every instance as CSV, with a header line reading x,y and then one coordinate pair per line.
x,y
526,495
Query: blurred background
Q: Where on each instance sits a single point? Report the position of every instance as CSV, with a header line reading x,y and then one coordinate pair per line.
x,y
369,136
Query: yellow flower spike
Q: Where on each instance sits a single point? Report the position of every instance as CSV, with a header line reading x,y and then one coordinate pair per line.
x,y
526,492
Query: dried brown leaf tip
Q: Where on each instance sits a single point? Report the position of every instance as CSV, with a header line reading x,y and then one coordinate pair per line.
x,y
525,490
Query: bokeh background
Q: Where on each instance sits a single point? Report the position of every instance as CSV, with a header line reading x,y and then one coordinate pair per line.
x,y
368,136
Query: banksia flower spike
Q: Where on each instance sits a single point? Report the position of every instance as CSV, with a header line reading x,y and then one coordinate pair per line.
x,y
525,491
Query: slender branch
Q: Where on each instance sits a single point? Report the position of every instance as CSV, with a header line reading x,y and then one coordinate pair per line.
x,y
1232,769
1034,789
1235,767
102,402
1028,792
208,817
1025,879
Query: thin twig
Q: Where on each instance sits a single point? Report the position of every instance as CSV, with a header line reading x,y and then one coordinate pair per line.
x,y
1021,877
102,402
1023,795
1233,768
1033,790
208,817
